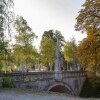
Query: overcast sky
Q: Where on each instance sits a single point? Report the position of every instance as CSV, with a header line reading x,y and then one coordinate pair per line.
x,y
43,15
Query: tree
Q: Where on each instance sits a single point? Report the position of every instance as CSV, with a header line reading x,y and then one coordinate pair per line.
x,y
87,54
6,18
3,53
69,53
89,17
88,21
48,46
24,40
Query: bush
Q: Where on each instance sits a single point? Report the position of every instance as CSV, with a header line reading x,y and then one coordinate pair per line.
x,y
1,65
7,82
91,88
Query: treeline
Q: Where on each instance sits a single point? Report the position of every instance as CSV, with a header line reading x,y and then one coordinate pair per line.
x,y
12,54
23,50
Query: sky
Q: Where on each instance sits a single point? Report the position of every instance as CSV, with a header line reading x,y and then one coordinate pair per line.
x,y
43,15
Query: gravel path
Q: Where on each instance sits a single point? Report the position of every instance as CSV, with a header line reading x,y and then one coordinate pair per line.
x,y
6,94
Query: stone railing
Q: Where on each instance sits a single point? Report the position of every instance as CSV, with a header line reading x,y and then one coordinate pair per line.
x,y
28,76
22,78
69,74
32,76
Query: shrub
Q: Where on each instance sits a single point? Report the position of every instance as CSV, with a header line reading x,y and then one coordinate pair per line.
x,y
1,65
7,82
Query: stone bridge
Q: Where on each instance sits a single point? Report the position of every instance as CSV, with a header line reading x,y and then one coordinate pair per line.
x,y
70,82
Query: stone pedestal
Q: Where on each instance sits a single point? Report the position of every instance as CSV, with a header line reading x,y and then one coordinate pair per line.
x,y
58,75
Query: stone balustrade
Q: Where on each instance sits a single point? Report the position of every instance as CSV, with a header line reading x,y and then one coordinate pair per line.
x,y
24,76
68,74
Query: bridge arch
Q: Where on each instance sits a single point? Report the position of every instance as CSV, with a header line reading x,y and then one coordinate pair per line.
x,y
60,87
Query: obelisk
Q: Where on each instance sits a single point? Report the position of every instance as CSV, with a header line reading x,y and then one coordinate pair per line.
x,y
58,74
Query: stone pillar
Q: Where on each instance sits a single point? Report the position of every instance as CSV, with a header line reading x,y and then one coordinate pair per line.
x,y
58,74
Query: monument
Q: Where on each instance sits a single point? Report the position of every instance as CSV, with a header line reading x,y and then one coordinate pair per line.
x,y
57,69
22,68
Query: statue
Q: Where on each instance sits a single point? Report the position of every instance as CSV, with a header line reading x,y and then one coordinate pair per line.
x,y
21,67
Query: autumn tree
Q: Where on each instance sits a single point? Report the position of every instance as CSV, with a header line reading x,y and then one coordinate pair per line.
x,y
87,53
88,21
89,17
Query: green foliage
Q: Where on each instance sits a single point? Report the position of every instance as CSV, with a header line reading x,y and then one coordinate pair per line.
x,y
95,80
3,47
1,65
69,51
6,18
7,82
25,35
48,46
23,49
6,56
3,53
90,90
